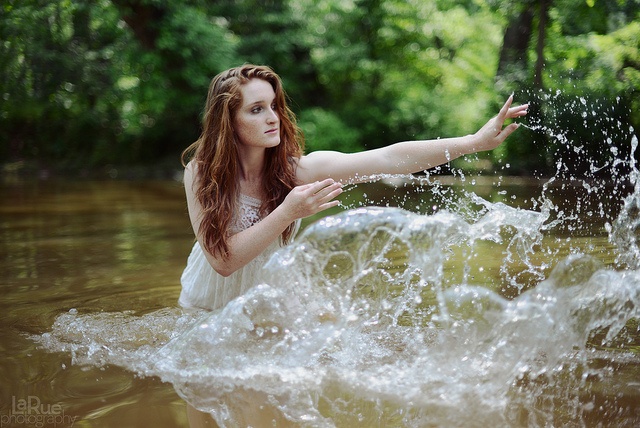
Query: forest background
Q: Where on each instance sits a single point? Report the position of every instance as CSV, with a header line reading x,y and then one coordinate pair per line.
x,y
89,84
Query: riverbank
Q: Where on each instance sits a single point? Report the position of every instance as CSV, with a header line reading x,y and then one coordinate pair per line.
x,y
169,168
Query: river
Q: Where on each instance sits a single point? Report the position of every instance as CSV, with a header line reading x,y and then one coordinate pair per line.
x,y
497,301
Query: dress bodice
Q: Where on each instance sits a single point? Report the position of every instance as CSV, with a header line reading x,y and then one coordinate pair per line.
x,y
203,287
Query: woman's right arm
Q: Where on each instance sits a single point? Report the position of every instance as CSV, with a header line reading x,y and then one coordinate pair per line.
x,y
246,245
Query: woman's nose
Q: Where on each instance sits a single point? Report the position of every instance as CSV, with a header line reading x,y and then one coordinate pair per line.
x,y
273,116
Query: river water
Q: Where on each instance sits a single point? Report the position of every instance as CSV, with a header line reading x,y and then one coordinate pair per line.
x,y
98,247
421,301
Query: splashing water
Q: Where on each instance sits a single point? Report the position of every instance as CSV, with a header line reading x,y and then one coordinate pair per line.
x,y
363,322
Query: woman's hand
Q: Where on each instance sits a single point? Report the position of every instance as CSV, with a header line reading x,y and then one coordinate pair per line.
x,y
492,134
308,199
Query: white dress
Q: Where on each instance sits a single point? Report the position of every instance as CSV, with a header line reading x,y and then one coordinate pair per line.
x,y
203,287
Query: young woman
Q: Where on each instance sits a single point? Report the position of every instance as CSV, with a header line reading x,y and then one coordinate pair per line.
x,y
248,183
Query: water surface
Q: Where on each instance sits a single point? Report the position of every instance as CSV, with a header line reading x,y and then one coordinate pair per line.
x,y
498,301
95,246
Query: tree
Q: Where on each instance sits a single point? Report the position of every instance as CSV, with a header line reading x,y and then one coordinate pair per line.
x,y
397,70
180,47
114,81
86,83
568,49
513,64
59,93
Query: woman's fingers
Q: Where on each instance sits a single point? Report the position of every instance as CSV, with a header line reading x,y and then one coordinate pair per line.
x,y
332,195
320,185
508,112
328,204
508,130
502,115
321,189
326,196
518,111
494,132
328,200
319,195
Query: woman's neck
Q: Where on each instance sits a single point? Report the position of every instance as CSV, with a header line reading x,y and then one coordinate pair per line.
x,y
251,160
251,172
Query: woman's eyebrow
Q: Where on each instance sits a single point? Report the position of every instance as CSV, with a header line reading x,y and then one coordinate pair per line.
x,y
260,101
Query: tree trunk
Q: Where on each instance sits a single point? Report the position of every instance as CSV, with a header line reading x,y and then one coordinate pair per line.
x,y
142,17
542,31
513,61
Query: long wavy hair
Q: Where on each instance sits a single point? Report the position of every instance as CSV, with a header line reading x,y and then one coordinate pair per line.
x,y
215,154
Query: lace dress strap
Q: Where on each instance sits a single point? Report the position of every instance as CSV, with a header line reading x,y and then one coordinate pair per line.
x,y
248,213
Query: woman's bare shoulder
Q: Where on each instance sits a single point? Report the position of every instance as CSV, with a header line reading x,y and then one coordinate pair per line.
x,y
191,166
190,173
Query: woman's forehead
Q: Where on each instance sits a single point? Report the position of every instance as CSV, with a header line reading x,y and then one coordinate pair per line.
x,y
257,90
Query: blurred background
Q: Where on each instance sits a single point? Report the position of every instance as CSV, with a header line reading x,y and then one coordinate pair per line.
x,y
92,86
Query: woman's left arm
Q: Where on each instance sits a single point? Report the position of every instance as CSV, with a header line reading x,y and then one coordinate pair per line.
x,y
408,156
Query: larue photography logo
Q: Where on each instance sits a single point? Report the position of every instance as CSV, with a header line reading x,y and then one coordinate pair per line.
x,y
32,412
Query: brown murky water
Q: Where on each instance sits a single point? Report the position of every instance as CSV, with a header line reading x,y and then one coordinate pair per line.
x,y
93,246
113,246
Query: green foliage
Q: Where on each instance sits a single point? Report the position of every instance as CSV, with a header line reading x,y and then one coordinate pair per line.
x,y
80,90
87,83
169,83
325,131
403,70
270,33
58,94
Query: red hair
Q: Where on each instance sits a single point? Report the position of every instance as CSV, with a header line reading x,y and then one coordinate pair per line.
x,y
215,154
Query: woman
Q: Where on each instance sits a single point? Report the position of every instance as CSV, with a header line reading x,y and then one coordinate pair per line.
x,y
249,183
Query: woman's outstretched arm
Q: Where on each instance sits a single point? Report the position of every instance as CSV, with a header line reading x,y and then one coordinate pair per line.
x,y
409,156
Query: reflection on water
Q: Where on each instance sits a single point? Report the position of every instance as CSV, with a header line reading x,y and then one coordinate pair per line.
x,y
92,246
408,320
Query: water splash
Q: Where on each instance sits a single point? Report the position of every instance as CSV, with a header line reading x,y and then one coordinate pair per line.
x,y
625,231
595,161
357,322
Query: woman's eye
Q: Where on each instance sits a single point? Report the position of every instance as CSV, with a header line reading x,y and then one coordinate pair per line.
x,y
256,110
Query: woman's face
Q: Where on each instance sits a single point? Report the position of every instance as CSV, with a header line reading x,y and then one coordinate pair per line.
x,y
256,122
